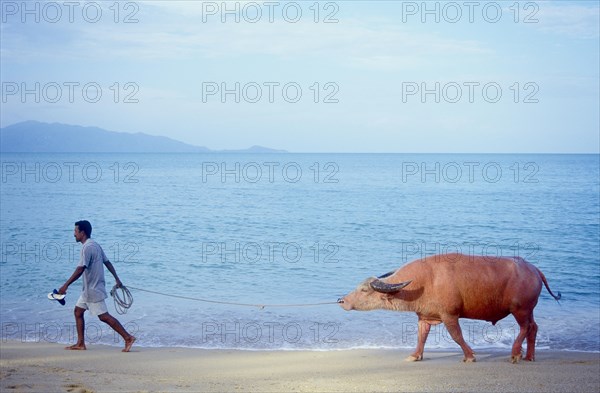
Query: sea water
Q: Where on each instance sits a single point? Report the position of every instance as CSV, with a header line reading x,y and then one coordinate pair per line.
x,y
292,229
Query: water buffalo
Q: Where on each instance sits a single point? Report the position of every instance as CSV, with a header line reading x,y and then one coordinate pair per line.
x,y
444,288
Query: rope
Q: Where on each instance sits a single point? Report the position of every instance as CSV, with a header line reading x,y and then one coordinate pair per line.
x,y
260,306
122,301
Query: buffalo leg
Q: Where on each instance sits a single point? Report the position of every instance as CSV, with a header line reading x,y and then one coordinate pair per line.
x,y
424,328
528,329
531,335
456,334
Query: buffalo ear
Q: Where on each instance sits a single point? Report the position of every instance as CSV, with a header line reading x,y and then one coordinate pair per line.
x,y
383,287
387,297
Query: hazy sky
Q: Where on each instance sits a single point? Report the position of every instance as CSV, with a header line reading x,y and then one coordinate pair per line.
x,y
307,76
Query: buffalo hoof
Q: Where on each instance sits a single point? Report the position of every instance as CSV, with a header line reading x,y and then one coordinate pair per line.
x,y
530,358
514,359
414,358
469,360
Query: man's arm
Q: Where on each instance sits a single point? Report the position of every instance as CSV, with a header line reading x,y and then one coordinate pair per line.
x,y
112,271
74,277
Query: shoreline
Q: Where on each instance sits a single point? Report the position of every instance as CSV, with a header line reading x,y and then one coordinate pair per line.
x,y
140,345
47,367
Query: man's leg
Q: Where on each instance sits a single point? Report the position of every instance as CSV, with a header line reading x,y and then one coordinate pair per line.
x,y
117,327
80,323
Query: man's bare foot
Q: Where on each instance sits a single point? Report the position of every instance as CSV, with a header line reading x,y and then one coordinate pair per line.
x,y
128,343
76,347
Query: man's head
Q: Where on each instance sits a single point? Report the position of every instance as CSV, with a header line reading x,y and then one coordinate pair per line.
x,y
83,230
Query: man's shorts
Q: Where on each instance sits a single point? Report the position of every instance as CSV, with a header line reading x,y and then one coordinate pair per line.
x,y
95,308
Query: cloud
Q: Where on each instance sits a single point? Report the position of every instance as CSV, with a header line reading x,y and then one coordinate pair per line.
x,y
570,20
175,31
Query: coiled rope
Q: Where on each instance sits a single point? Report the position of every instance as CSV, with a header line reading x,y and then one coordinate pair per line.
x,y
123,303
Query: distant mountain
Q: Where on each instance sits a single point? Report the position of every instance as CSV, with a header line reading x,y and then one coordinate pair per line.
x,y
38,137
254,149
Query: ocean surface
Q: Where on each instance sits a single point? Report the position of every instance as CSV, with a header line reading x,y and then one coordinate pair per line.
x,y
292,229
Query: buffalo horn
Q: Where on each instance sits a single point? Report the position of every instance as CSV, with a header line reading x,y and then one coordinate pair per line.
x,y
383,287
387,274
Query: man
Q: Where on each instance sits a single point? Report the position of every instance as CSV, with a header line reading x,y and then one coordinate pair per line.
x,y
91,266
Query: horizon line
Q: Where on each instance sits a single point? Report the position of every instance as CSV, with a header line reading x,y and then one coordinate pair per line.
x,y
279,150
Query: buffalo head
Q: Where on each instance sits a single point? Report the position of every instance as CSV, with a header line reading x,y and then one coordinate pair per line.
x,y
371,294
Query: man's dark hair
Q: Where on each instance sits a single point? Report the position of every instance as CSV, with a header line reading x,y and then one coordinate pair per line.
x,y
85,226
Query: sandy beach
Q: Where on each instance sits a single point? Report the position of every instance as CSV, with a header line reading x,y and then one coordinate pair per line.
x,y
47,367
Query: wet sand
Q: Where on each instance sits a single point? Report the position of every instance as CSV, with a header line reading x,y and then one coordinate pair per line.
x,y
47,367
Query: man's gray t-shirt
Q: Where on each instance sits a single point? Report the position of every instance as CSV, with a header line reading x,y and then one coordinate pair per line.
x,y
93,258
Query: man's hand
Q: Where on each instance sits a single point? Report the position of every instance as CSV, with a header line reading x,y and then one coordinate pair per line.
x,y
74,277
119,283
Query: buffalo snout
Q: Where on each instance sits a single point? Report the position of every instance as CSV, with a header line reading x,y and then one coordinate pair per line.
x,y
345,303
